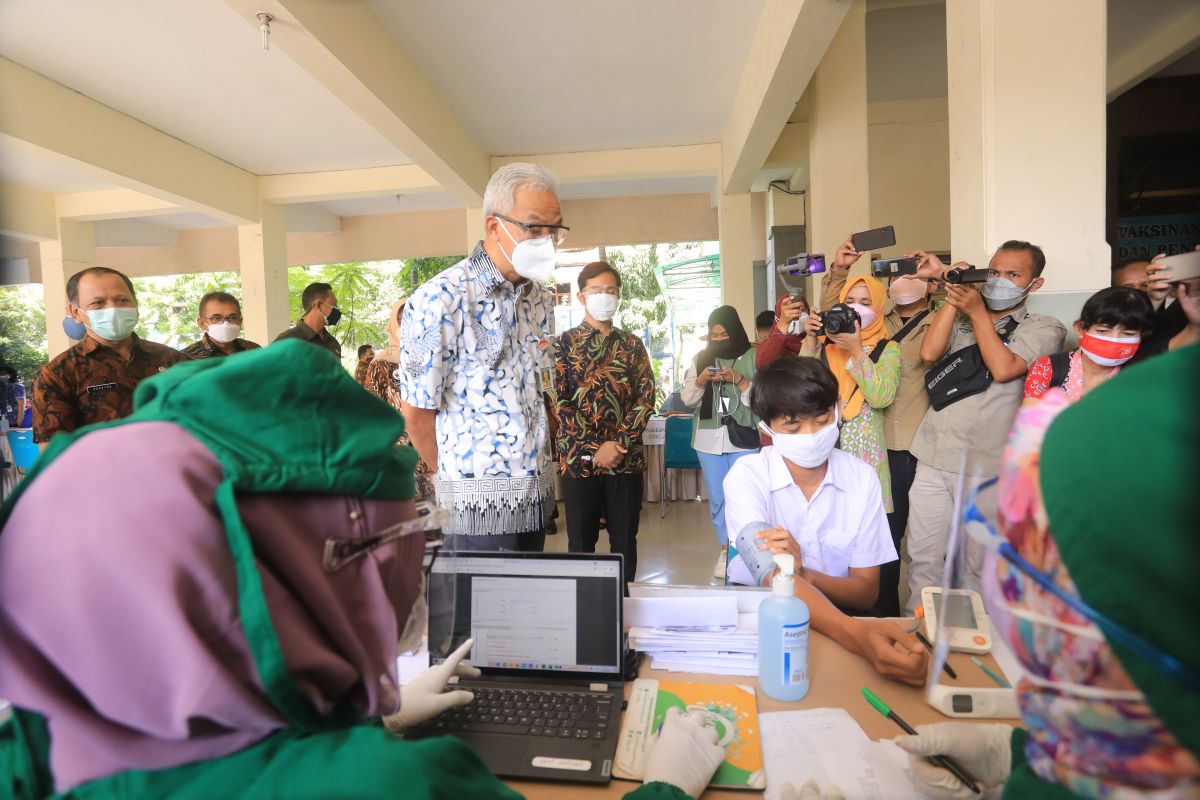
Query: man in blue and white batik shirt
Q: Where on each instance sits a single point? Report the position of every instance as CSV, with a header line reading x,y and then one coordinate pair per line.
x,y
476,361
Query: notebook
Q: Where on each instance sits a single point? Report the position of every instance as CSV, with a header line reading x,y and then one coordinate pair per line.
x,y
731,708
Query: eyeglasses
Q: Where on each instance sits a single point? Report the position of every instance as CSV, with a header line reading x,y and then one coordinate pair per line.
x,y
340,552
537,230
217,319
1163,662
614,291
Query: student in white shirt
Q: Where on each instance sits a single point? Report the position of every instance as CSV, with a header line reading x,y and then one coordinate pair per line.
x,y
802,496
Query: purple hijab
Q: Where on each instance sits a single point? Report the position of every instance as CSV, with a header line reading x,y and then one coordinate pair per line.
x,y
118,605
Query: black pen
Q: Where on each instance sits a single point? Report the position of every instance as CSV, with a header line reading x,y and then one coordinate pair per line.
x,y
945,666
945,762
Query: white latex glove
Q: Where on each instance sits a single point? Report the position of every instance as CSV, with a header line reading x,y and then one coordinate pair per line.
x,y
685,754
422,698
985,751
811,791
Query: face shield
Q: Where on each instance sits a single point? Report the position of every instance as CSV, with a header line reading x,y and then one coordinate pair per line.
x,y
428,524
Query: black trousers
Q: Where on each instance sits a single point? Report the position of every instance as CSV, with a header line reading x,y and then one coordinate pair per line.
x,y
903,466
527,542
618,498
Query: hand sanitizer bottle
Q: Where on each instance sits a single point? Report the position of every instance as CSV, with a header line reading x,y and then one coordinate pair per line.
x,y
783,636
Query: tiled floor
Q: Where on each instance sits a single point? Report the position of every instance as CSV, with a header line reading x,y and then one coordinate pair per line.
x,y
680,549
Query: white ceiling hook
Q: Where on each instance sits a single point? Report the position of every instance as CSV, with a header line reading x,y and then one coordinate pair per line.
x,y
264,28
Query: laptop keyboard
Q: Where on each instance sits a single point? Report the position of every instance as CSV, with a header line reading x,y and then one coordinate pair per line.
x,y
561,715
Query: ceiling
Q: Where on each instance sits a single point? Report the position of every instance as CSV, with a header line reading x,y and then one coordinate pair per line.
x,y
546,76
390,204
542,76
24,165
196,71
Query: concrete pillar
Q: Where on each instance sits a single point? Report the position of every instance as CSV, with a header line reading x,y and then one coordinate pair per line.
x,y
75,249
839,188
475,231
735,221
262,254
1027,136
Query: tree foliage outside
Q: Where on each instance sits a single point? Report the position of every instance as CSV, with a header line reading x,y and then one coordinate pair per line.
x,y
23,330
645,308
365,293
168,305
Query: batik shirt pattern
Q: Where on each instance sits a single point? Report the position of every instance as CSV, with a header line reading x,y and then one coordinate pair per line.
x,y
605,393
476,349
91,382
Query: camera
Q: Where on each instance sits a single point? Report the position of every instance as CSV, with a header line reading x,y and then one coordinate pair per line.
x,y
840,318
893,267
969,275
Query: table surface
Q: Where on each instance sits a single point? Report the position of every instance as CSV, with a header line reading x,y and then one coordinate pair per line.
x,y
837,680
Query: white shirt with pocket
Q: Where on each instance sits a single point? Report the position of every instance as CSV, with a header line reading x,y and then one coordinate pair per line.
x,y
842,526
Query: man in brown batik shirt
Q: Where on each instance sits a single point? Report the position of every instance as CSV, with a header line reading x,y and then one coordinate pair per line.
x,y
94,380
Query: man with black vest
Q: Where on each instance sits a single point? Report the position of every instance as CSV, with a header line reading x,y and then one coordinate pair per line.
x,y
992,339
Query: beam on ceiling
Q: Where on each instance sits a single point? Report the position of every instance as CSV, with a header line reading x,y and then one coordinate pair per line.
x,y
346,48
1159,49
300,218
27,213
112,204
63,125
315,187
684,161
791,39
134,233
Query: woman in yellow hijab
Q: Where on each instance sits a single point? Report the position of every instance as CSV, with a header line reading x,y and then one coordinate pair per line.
x,y
867,368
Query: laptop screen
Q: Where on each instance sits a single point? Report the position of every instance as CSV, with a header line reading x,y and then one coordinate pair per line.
x,y
530,613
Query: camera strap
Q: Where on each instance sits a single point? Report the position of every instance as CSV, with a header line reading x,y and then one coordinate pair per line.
x,y
908,327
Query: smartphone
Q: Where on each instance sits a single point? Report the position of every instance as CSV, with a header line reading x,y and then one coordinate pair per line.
x,y
712,369
893,267
874,239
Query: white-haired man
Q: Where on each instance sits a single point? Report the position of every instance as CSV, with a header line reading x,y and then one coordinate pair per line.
x,y
475,347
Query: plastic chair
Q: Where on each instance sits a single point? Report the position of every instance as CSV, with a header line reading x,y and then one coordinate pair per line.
x,y
25,451
677,453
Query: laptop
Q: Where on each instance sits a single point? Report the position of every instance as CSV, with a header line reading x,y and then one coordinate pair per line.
x,y
548,640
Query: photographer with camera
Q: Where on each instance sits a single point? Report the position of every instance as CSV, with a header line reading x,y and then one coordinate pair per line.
x,y
865,364
974,393
906,323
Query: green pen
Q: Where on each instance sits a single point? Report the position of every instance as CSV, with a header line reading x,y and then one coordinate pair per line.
x,y
999,679
944,762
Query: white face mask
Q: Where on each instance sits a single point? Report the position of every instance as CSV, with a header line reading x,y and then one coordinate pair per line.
x,y
866,314
533,259
805,449
602,307
113,324
223,332
1001,294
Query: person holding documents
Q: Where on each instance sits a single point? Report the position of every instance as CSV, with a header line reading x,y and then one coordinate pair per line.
x,y
1093,588
219,609
824,507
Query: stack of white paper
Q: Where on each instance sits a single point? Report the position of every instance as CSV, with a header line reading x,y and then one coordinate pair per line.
x,y
826,745
684,629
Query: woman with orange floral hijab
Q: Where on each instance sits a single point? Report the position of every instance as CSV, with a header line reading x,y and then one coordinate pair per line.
x,y
867,381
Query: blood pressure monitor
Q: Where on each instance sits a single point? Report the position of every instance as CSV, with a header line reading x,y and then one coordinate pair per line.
x,y
961,615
